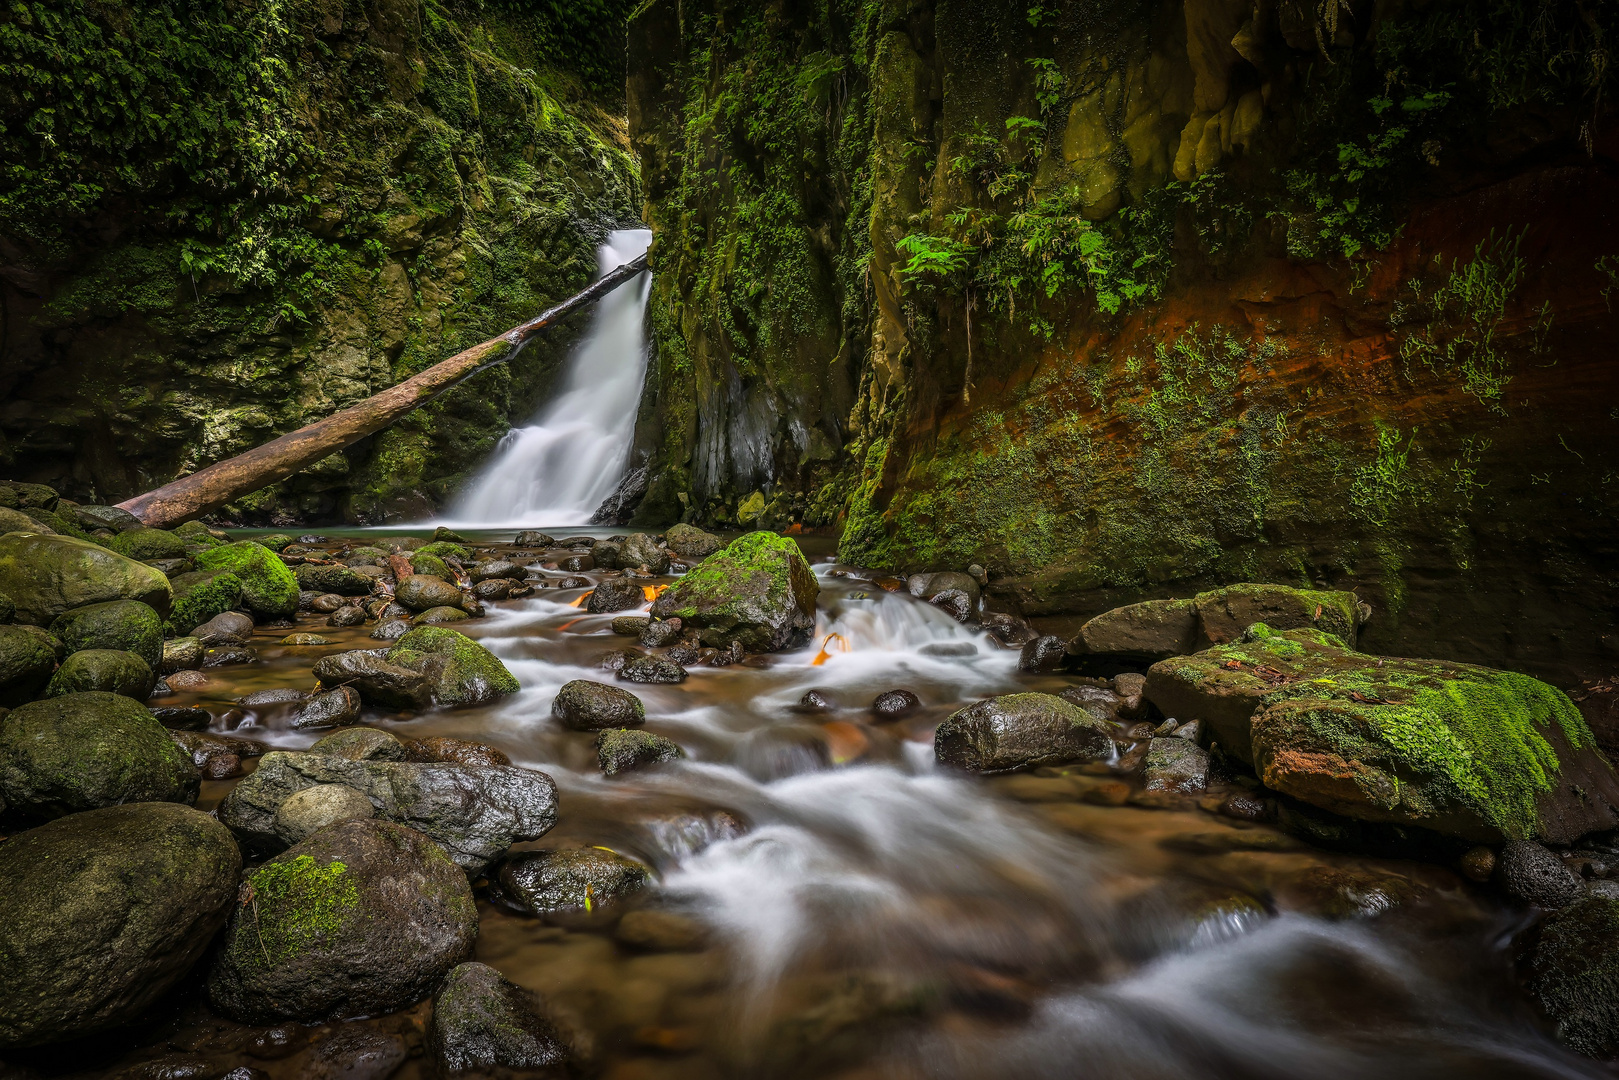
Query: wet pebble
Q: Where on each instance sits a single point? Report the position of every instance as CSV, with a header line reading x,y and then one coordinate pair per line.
x,y
307,639
817,701
1531,874
895,703
356,1053
348,615
1043,654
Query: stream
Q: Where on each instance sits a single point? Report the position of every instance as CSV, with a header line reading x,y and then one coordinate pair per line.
x,y
844,908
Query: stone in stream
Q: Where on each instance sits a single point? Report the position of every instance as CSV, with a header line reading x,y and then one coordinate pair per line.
x,y
476,813
420,592
332,578
534,539
484,1024
573,583
128,625
111,670
605,554
1020,731
307,812
660,633
576,564
631,625
202,595
690,542
426,667
615,594
563,882
1573,972
757,590
361,744
494,589
893,704
641,552
1465,751
652,669
223,655
180,654
455,751
47,575
348,615
182,718
1141,633
1531,874
306,640
226,628
592,706
391,629
1043,654
352,1052
329,709
103,912
361,918
217,757
438,616
430,566
1176,767
269,589
618,750
817,701
28,656
498,570
144,544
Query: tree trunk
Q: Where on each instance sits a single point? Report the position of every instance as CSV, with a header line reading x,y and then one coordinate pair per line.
x,y
210,488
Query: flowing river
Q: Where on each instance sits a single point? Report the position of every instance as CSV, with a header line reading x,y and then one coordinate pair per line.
x,y
853,911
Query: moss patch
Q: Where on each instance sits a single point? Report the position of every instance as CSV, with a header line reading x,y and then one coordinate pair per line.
x,y
201,596
291,906
269,588
144,544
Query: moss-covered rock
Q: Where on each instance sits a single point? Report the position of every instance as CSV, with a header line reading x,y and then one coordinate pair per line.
x,y
443,549
17,521
112,671
47,575
269,589
1460,749
28,656
201,595
275,541
363,917
1574,975
103,912
419,592
1224,614
117,624
619,750
462,671
1020,731
430,566
692,543
758,590
325,578
84,751
146,544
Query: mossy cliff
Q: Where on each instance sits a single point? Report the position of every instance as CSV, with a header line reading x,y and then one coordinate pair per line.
x,y
1132,298
220,221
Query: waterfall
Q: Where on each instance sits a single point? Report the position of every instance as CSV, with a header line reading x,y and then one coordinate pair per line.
x,y
559,469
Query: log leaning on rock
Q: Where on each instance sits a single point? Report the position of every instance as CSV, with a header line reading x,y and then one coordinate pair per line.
x,y
210,488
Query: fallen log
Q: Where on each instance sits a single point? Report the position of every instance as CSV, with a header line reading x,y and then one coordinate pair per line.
x,y
210,488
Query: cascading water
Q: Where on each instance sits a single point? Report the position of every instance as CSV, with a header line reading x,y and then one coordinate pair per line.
x,y
559,469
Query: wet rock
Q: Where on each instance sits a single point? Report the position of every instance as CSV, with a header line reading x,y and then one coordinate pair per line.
x,y
469,604
618,750
126,625
202,595
353,616
492,590
181,654
438,616
1223,615
758,590
103,912
226,628
592,706
475,813
692,543
427,666
652,669
483,1023
660,931
1099,702
28,657
326,603
329,709
1043,654
1347,892
430,566
306,812
47,575
641,552
187,680
225,655
581,881
182,718
1337,729
217,757
498,570
1248,806
615,594
148,544
1141,633
1129,684
16,521
306,640
1020,731
171,568
895,703
107,517
817,701
361,744
363,917
333,578
420,592
1531,874
1176,767
356,1052
934,589
391,629
573,583
111,670
269,589
1478,863
1571,973
280,695
685,833
534,539
456,751
631,625
576,564
1012,631
957,602
661,633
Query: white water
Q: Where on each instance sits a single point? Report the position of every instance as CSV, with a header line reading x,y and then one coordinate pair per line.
x,y
559,469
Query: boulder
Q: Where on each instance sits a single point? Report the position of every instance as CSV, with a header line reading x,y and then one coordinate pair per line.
x,y
180,654
935,586
456,751
661,633
498,570
438,616
1223,615
577,564
329,709
1532,874
486,1025
361,744
47,575
475,813
1462,750
1176,767
107,517
103,912
1141,633
201,596
533,538
376,679
307,812
332,578
1573,974
605,555
460,671
430,566
28,656
217,757
568,881
592,706
17,521
85,751
1020,731
128,625
391,629
363,917
615,594
631,625
111,670
618,750
493,589
641,552
226,628
1043,654
420,592
758,590
269,589
144,544
652,669
692,543
894,704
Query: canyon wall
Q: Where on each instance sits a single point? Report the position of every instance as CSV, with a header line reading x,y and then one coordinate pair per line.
x,y
1122,299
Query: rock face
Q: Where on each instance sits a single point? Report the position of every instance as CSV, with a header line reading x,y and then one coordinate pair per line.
x,y
47,575
592,706
269,589
86,751
1574,975
1459,749
1020,731
28,656
103,912
429,666
482,1022
757,590
474,812
118,624
363,917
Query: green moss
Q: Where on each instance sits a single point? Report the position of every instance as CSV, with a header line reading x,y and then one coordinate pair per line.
x,y
144,544
127,625
441,549
275,541
201,596
422,563
268,586
292,905
713,581
472,672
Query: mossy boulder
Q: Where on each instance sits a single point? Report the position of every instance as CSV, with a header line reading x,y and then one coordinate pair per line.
x,y
200,596
363,917
111,670
93,516
1141,633
618,750
1574,975
103,912
1020,731
484,1024
276,542
430,566
117,624
331,578
692,543
1223,615
85,751
757,590
17,521
144,544
28,656
615,594
376,679
442,549
460,671
47,575
1463,750
592,706
269,589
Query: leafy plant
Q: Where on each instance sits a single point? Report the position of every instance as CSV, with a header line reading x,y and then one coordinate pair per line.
x,y
1463,315
936,257
1378,486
